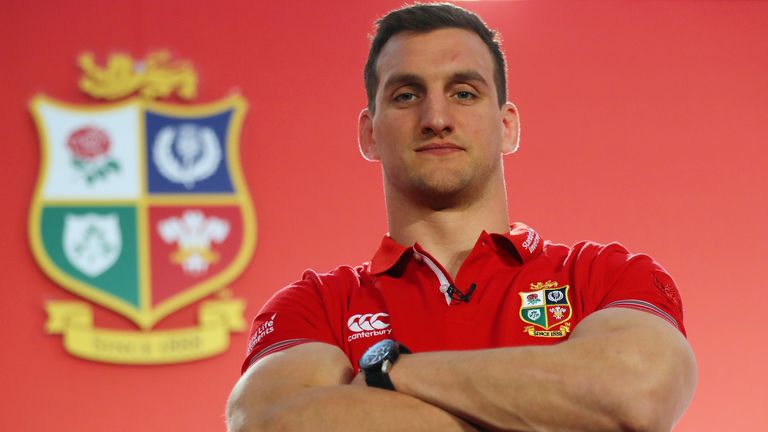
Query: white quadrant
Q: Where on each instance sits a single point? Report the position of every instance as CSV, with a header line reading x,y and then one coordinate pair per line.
x,y
114,174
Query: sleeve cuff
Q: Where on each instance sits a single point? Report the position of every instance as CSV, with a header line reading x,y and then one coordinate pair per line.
x,y
275,347
646,307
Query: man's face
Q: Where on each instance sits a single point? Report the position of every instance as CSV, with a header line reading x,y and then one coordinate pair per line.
x,y
438,129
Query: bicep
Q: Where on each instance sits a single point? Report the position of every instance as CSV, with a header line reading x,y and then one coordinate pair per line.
x,y
652,354
282,375
631,327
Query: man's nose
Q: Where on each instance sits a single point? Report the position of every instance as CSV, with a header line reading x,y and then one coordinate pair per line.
x,y
436,116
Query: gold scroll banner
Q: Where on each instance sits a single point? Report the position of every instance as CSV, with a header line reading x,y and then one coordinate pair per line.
x,y
216,319
561,332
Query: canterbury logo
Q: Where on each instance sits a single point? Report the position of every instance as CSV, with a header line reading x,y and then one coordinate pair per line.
x,y
367,322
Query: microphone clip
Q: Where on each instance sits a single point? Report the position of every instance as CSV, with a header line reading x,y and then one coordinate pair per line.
x,y
456,294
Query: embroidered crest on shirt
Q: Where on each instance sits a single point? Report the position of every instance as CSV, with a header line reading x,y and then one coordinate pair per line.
x,y
547,309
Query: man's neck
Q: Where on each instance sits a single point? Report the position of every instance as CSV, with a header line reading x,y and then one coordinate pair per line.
x,y
448,234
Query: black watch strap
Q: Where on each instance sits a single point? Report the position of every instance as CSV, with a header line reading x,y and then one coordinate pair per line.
x,y
379,379
377,373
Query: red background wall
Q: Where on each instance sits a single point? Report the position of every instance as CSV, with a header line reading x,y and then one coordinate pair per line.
x,y
643,122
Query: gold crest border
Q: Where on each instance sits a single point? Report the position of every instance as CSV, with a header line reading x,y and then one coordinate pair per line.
x,y
522,301
146,316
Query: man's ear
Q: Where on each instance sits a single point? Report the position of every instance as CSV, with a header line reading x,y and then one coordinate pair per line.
x,y
511,124
365,140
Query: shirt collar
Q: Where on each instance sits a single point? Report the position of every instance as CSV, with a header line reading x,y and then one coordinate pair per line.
x,y
523,240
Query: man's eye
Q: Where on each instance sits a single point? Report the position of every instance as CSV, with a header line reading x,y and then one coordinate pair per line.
x,y
405,97
465,95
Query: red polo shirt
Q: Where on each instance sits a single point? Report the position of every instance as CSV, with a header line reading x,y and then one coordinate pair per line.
x,y
526,292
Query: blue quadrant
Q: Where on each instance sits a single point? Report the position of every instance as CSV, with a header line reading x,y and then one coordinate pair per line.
x,y
188,154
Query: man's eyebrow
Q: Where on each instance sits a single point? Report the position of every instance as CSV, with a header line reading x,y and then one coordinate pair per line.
x,y
402,79
468,76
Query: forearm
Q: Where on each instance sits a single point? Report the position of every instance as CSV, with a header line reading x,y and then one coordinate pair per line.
x,y
352,408
478,386
285,392
591,382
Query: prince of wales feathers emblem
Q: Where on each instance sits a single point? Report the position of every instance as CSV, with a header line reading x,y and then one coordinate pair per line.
x,y
141,207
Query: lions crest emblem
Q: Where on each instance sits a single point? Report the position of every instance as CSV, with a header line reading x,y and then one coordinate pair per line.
x,y
547,310
141,207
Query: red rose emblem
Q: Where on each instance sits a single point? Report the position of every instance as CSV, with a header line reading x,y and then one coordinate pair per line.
x,y
88,143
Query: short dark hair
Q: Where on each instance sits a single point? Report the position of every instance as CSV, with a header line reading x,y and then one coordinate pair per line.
x,y
424,18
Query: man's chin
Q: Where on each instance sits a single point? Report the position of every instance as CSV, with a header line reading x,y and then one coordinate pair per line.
x,y
443,195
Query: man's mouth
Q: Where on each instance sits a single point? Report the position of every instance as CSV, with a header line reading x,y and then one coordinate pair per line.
x,y
439,148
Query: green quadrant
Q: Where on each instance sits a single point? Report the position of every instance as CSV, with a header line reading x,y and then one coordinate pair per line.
x,y
121,278
528,315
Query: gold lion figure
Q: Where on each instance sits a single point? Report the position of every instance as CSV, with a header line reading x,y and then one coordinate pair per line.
x,y
156,77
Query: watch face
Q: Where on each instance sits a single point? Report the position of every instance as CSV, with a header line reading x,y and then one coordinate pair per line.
x,y
377,353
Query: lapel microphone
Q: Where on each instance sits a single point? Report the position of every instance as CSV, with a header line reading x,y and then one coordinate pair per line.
x,y
456,294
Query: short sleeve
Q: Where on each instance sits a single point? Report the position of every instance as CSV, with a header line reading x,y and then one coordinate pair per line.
x,y
635,281
296,314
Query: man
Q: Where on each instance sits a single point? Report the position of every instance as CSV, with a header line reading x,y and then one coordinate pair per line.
x,y
507,331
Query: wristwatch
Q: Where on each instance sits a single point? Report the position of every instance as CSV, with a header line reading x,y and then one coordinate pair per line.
x,y
378,360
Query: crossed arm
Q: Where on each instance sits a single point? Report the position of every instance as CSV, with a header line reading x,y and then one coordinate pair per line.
x,y
621,369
